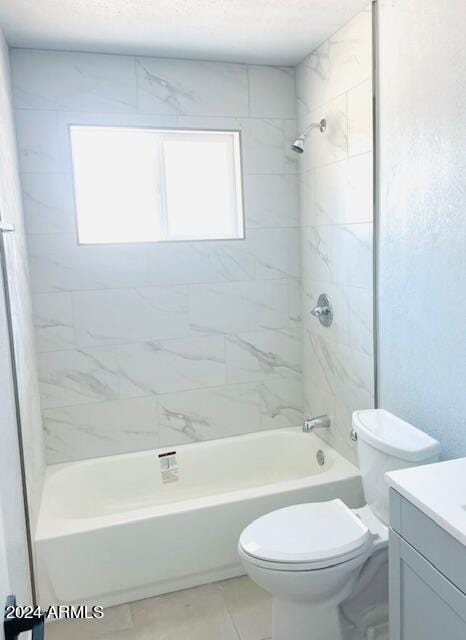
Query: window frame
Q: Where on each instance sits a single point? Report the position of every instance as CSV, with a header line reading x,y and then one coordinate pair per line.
x,y
237,187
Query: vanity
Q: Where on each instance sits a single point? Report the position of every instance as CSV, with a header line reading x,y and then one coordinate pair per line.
x,y
428,552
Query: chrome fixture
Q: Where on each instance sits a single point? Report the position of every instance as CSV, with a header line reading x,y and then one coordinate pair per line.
x,y
323,311
353,435
320,457
319,422
298,144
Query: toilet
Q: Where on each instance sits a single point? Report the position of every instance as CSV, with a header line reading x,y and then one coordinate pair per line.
x,y
311,557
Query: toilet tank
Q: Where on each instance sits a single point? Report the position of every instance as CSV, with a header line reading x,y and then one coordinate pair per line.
x,y
387,443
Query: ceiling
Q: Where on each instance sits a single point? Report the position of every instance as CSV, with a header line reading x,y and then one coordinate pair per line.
x,y
255,31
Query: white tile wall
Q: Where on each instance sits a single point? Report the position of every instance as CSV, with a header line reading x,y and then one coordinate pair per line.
x,y
16,565
188,416
58,263
350,53
336,214
272,92
360,118
103,428
157,344
37,139
161,343
260,355
343,191
65,80
276,253
263,143
150,368
271,201
352,255
316,254
196,262
48,202
53,321
192,88
239,306
312,81
76,377
281,402
118,316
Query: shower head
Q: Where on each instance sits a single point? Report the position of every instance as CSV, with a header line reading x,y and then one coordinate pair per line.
x,y
298,144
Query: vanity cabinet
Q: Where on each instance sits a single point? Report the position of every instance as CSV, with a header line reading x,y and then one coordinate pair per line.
x,y
427,577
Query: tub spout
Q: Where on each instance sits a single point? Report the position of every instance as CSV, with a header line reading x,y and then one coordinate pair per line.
x,y
319,422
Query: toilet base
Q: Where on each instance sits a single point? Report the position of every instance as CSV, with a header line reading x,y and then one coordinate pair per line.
x,y
300,620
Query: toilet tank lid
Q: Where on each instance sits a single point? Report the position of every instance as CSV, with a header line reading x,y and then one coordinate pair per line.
x,y
394,436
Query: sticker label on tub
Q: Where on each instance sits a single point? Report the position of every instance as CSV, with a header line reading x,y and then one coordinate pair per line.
x,y
168,466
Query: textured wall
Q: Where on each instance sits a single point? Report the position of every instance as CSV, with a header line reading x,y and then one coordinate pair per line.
x,y
336,226
19,290
422,255
144,345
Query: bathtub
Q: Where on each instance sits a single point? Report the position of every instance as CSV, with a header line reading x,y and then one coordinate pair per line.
x,y
121,528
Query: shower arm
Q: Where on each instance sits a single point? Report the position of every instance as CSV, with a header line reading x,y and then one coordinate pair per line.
x,y
322,125
308,129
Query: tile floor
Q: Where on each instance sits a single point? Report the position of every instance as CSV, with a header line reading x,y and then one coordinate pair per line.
x,y
234,609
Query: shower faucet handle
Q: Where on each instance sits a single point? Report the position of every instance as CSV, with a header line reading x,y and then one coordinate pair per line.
x,y
323,311
320,311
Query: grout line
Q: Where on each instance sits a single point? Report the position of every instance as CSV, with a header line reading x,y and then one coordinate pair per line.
x,y
248,386
126,116
225,335
234,624
215,283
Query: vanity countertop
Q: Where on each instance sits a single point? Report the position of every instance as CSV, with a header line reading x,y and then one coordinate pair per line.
x,y
438,490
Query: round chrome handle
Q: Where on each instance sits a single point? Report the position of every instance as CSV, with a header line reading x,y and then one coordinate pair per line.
x,y
323,311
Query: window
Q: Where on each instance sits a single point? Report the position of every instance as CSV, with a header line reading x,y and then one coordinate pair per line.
x,y
147,185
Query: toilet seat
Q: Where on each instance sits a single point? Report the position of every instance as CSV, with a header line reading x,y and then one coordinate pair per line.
x,y
305,537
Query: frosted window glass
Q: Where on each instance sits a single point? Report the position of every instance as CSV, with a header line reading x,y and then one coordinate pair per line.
x,y
148,185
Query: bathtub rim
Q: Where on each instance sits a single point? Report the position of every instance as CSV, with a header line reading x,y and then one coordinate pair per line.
x,y
51,526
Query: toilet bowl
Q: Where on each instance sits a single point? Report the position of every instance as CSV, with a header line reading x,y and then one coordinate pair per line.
x,y
309,556
314,556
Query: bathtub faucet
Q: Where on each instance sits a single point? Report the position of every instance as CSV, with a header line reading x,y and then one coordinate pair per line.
x,y
319,422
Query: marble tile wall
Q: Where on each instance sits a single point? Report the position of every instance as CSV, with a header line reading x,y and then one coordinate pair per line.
x,y
147,345
336,216
11,210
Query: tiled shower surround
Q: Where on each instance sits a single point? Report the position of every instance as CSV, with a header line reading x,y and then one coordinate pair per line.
x,y
335,183
157,344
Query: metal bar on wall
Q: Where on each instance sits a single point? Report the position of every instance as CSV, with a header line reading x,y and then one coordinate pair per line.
x,y
375,197
6,227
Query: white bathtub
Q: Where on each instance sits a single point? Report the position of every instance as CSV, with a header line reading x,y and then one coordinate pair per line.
x,y
110,531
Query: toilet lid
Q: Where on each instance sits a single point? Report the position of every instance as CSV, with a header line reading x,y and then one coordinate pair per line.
x,y
306,533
